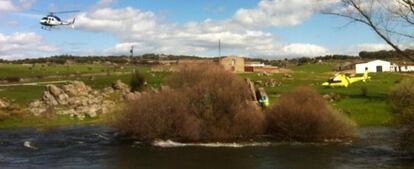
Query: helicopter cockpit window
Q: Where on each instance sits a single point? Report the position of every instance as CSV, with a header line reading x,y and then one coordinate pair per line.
x,y
58,19
44,18
334,80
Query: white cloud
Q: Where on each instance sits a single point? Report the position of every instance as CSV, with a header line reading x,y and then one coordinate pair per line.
x,y
368,47
372,47
23,45
304,50
143,30
280,12
102,4
14,6
7,6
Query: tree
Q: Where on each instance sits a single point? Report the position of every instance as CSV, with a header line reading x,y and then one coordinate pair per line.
x,y
391,20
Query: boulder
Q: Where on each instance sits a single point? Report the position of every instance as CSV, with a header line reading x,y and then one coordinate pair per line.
x,y
62,99
328,98
92,111
3,104
49,99
119,85
54,90
252,90
76,88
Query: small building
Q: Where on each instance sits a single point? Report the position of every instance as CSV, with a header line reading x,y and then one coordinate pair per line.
x,y
195,61
402,68
373,66
260,67
233,63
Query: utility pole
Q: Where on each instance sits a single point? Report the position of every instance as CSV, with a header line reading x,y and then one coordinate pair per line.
x,y
132,51
219,47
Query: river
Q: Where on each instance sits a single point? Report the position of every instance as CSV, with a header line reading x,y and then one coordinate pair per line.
x,y
90,147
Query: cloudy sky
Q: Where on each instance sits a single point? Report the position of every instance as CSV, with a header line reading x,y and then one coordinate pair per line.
x,y
274,29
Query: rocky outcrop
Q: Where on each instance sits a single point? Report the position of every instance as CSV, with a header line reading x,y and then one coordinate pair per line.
x,y
74,99
252,89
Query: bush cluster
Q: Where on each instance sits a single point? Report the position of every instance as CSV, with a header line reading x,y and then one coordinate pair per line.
x,y
303,115
401,99
203,103
12,79
207,103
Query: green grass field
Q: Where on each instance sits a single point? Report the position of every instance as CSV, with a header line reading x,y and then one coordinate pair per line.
x,y
365,108
22,95
42,70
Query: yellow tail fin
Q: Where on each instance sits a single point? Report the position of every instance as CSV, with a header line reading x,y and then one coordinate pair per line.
x,y
366,77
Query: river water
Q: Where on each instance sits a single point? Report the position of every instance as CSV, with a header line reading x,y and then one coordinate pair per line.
x,y
99,146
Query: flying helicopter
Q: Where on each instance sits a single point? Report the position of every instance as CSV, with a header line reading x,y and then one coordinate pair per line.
x,y
51,20
342,80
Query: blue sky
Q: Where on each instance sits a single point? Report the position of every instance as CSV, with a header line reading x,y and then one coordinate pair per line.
x,y
268,28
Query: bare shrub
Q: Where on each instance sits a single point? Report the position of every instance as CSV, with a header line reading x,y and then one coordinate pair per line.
x,y
205,103
163,115
303,115
137,81
13,79
401,99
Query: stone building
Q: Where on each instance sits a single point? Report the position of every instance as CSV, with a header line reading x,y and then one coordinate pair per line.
x,y
233,63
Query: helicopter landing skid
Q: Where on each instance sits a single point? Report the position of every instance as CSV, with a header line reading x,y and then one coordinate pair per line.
x,y
48,28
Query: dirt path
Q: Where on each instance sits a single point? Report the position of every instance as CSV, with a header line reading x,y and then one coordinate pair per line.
x,y
35,83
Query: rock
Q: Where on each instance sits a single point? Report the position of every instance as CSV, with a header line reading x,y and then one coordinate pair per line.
x,y
62,99
92,111
54,90
76,88
3,104
49,99
119,85
258,83
108,90
132,96
35,104
67,112
328,98
78,100
252,90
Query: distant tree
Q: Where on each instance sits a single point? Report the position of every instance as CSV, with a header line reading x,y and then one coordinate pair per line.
x,y
391,20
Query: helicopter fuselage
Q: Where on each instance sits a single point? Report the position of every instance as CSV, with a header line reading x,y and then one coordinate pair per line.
x,y
342,80
52,21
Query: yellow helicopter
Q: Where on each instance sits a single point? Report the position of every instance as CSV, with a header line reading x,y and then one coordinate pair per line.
x,y
342,80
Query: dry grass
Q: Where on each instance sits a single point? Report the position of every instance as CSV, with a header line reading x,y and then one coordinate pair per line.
x,y
303,115
12,112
